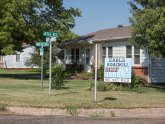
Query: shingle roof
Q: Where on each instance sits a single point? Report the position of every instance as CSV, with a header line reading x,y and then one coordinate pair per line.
x,y
106,34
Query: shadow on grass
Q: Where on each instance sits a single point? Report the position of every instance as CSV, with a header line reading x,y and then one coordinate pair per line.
x,y
33,76
108,99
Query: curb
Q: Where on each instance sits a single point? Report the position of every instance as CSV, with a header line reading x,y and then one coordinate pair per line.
x,y
105,113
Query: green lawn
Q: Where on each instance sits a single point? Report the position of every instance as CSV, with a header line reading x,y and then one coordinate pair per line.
x,y
22,88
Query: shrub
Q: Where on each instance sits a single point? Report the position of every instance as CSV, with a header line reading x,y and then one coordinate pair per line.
x,y
100,72
137,81
58,77
85,75
3,107
114,87
72,110
101,86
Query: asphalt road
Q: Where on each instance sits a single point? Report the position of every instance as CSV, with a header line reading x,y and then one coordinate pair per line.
x,y
19,119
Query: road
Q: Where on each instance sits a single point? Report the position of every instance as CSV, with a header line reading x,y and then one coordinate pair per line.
x,y
20,119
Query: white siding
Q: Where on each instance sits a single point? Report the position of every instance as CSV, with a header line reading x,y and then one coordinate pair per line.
x,y
144,58
119,51
10,60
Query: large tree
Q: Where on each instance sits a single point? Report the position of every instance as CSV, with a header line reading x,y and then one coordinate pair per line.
x,y
25,20
148,23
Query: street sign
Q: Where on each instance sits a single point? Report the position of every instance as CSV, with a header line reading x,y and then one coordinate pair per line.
x,y
42,44
50,34
41,51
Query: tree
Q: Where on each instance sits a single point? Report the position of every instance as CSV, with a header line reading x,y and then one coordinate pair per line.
x,y
25,21
148,24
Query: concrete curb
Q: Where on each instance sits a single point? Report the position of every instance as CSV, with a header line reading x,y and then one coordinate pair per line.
x,y
107,113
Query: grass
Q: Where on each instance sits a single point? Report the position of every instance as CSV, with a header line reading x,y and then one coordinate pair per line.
x,y
23,89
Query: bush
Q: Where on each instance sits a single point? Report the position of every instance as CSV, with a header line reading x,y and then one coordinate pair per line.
x,y
114,87
100,72
58,77
74,68
138,81
85,75
101,86
3,107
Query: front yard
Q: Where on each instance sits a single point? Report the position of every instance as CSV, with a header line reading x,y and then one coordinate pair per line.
x,y
22,88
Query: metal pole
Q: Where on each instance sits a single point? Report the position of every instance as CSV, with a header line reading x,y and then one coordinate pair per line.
x,y
95,90
42,72
50,67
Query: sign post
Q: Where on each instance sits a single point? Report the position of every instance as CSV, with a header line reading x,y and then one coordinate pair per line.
x,y
118,70
52,38
42,45
42,72
95,89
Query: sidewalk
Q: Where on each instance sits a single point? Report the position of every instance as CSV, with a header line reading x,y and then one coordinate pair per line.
x,y
106,113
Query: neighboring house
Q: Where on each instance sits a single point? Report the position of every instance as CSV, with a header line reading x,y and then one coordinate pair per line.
x,y
17,61
111,43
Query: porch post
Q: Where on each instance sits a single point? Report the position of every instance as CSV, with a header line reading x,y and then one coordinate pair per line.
x,y
95,90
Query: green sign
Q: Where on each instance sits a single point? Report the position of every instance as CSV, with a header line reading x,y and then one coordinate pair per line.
x,y
42,44
50,34
41,51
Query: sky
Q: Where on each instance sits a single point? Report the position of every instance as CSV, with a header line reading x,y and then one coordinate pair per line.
x,y
99,14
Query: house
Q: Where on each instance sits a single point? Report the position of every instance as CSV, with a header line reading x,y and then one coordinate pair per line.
x,y
18,60
110,43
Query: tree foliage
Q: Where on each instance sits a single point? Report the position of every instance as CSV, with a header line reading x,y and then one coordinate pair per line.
x,y
25,20
148,23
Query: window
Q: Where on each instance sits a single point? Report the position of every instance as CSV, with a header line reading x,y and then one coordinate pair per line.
x,y
72,55
105,54
110,52
136,55
77,55
87,58
18,58
128,51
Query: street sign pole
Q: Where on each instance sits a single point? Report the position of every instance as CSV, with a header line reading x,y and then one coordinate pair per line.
x,y
42,72
50,68
95,86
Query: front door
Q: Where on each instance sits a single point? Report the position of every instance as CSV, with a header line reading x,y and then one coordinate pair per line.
x,y
87,60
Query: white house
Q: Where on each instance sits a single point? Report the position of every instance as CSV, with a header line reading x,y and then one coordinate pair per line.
x,y
18,60
110,43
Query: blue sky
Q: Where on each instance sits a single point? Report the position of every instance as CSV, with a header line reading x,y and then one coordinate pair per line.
x,y
99,14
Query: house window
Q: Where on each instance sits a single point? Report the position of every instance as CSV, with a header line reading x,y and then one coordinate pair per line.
x,y
77,55
87,58
128,51
104,54
18,58
110,52
136,55
72,55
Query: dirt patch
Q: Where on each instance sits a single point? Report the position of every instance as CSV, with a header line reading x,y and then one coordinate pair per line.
x,y
122,113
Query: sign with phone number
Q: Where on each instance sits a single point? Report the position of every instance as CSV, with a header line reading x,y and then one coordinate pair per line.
x,y
117,70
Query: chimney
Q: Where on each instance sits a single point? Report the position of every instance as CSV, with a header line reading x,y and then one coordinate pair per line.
x,y
120,25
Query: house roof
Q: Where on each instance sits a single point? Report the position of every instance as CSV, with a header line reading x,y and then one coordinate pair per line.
x,y
103,35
